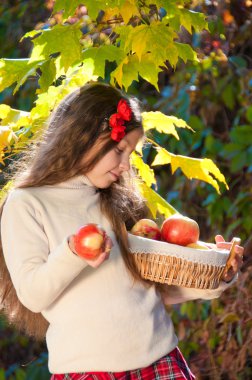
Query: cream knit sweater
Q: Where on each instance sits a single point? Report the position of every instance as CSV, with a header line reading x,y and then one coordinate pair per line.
x,y
99,320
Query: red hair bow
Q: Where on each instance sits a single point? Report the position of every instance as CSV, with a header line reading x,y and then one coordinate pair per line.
x,y
116,120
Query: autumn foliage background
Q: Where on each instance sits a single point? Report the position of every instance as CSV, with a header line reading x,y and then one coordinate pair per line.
x,y
211,94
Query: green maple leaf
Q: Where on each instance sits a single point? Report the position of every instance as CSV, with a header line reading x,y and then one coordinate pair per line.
x,y
93,7
146,38
186,52
155,39
130,67
100,55
193,19
77,76
149,70
171,54
48,75
178,16
31,34
63,39
81,74
16,70
167,5
45,103
123,35
67,6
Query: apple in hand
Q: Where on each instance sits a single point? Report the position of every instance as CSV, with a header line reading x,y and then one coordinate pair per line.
x,y
146,228
179,229
89,241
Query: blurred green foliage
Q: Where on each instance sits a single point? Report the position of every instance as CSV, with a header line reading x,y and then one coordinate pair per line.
x,y
214,96
21,357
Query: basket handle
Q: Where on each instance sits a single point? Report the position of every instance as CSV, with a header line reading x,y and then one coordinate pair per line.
x,y
235,241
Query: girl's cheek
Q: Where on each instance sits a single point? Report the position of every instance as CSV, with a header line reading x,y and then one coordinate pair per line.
x,y
116,158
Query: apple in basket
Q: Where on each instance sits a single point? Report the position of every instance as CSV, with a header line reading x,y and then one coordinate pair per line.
x,y
146,228
198,245
89,241
179,229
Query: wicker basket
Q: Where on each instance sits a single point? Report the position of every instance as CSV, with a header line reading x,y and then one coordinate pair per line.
x,y
177,265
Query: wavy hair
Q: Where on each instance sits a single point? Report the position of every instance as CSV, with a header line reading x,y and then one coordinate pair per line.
x,y
72,130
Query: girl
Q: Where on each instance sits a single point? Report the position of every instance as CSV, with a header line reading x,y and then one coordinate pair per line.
x,y
100,319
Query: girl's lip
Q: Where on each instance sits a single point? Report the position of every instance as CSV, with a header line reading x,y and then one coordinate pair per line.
x,y
115,175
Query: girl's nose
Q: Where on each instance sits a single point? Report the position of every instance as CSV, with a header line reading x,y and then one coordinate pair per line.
x,y
124,164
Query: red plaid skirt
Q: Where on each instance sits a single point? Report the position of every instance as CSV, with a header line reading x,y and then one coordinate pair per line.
x,y
170,367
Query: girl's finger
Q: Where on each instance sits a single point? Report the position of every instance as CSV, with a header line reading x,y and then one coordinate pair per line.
x,y
239,250
234,264
107,256
227,245
224,245
109,243
228,276
219,239
103,256
239,261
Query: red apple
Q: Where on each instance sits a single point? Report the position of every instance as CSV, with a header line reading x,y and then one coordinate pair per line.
x,y
89,242
146,228
179,229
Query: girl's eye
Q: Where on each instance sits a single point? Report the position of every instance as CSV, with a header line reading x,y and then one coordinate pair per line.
x,y
119,151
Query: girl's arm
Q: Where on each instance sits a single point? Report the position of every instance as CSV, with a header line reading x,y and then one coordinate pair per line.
x,y
39,276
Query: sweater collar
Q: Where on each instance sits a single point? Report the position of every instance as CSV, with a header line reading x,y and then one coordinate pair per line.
x,y
77,182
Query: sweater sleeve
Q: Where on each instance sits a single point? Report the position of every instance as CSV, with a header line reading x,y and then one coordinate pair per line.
x,y
172,294
39,276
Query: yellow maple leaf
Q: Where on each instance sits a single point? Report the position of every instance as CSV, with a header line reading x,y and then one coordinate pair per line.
x,y
129,9
202,169
1,160
199,168
162,158
110,13
5,136
7,187
155,202
118,72
146,173
4,110
139,146
22,122
10,115
163,123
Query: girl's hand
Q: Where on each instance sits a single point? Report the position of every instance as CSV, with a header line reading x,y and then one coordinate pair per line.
x,y
99,260
237,261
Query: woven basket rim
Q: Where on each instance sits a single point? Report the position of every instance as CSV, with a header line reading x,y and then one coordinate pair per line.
x,y
214,257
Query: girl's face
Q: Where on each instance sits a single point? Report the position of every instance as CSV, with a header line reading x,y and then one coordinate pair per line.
x,y
115,162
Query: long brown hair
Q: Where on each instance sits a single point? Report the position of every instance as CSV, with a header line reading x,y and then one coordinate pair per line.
x,y
73,128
